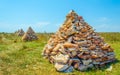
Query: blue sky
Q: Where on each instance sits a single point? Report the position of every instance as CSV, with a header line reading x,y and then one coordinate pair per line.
x,y
49,15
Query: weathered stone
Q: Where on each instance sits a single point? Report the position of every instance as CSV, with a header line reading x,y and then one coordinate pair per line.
x,y
90,66
61,58
70,69
72,49
61,67
94,62
87,62
57,47
74,53
70,45
70,39
92,47
76,65
82,67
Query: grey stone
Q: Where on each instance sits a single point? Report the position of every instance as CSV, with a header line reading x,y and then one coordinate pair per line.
x,y
61,67
82,67
94,62
70,69
87,62
110,53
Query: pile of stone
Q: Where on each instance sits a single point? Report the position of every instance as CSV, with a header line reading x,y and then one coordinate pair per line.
x,y
76,46
29,35
20,32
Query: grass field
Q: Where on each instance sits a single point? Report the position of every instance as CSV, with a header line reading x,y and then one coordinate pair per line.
x,y
24,58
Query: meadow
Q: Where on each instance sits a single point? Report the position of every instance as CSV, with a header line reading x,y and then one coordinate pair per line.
x,y
24,58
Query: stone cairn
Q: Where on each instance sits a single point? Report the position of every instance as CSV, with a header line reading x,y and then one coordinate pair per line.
x,y
20,32
76,46
29,35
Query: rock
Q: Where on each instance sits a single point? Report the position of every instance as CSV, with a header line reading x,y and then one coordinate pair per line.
x,y
85,57
86,62
62,51
100,54
61,67
110,53
83,30
105,47
57,47
72,49
82,67
76,65
74,53
61,58
75,60
49,47
70,69
90,66
94,56
109,69
92,47
53,53
95,62
111,57
96,37
70,39
70,45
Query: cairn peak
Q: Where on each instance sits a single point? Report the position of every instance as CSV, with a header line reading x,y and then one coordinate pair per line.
x,y
30,30
71,11
72,14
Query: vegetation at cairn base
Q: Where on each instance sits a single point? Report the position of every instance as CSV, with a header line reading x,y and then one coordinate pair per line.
x,y
24,58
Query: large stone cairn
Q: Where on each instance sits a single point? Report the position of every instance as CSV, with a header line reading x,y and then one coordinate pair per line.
x,y
20,32
29,35
76,46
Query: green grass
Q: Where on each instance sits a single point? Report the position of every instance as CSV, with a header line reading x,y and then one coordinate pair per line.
x,y
24,58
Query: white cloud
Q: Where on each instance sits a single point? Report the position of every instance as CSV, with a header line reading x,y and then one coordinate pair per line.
x,y
103,19
107,28
41,24
102,26
8,27
58,24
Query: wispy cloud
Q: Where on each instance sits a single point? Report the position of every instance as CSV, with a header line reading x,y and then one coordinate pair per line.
x,y
41,24
8,27
103,19
104,24
107,28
